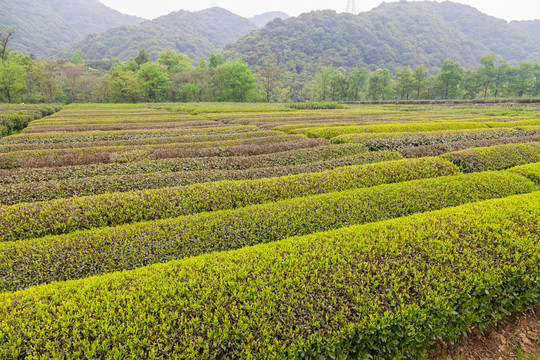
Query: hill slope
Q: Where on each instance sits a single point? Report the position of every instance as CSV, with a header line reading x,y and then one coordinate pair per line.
x,y
46,26
263,19
392,35
196,34
530,27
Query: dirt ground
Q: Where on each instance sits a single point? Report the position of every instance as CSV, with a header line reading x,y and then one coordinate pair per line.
x,y
517,338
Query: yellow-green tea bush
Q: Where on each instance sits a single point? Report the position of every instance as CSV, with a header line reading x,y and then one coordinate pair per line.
x,y
49,190
439,149
495,157
386,290
331,132
32,262
530,171
218,163
63,216
398,141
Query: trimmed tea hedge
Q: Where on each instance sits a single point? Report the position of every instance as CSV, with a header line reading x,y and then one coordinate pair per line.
x,y
380,291
439,149
143,141
398,141
11,161
530,171
495,157
49,190
32,262
331,132
55,137
64,216
283,158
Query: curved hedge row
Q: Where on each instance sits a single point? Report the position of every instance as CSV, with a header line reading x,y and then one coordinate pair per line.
x,y
92,136
283,158
50,190
10,161
32,262
331,132
144,142
380,291
64,216
495,157
398,141
530,171
16,118
439,149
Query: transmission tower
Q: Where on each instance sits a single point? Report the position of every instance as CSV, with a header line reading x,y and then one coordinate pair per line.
x,y
213,3
351,7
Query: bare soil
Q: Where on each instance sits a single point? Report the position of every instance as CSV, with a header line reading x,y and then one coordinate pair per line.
x,y
516,338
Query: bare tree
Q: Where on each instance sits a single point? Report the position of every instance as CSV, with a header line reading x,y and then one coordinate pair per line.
x,y
270,75
6,36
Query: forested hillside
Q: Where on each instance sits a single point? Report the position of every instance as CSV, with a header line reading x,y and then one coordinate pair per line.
x,y
196,34
392,35
530,27
45,26
263,19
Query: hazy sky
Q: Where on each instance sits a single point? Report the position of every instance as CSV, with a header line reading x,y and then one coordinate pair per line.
x,y
149,9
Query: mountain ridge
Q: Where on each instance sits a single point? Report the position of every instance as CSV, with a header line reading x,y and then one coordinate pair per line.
x,y
44,27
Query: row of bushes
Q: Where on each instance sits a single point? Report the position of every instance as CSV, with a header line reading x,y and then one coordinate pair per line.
x,y
50,190
380,291
495,157
63,216
28,263
530,171
331,132
57,137
140,142
218,163
174,125
398,141
16,118
10,161
279,137
439,149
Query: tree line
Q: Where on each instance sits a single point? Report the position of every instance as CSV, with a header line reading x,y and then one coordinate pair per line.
x,y
493,78
173,77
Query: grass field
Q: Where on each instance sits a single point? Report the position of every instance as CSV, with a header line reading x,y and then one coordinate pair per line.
x,y
252,231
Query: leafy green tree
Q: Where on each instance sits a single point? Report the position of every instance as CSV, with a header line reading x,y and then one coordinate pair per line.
x,y
190,92
234,81
487,73
356,83
420,80
12,79
449,79
322,83
124,86
173,62
338,85
405,82
535,89
215,60
270,75
500,77
380,85
142,58
521,79
472,84
153,81
6,37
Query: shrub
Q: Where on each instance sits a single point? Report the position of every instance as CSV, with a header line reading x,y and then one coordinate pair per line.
x,y
495,157
45,191
383,290
328,105
331,132
63,216
281,158
439,149
530,171
28,263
